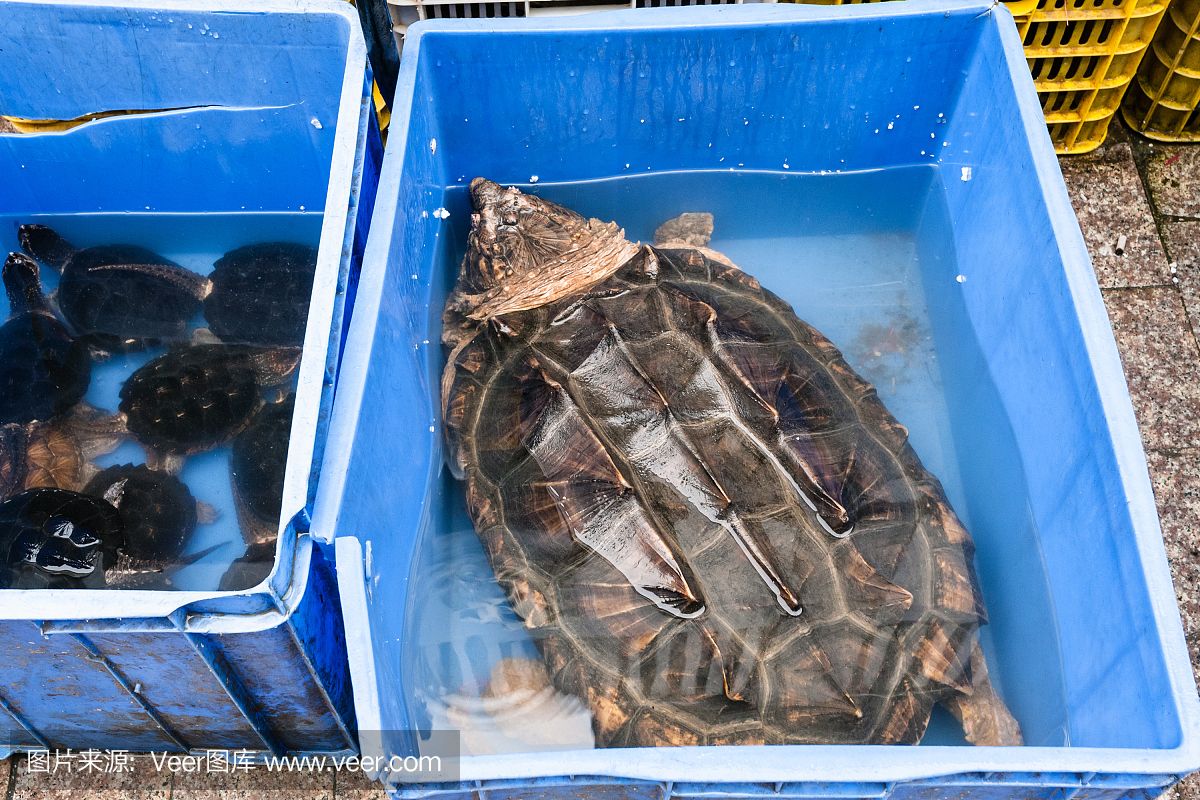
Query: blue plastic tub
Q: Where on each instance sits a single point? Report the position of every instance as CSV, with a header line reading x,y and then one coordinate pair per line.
x,y
1084,632
242,113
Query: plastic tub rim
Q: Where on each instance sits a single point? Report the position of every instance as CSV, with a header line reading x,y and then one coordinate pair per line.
x,y
790,763
281,591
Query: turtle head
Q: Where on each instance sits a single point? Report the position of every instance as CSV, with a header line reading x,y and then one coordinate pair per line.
x,y
23,284
45,245
524,252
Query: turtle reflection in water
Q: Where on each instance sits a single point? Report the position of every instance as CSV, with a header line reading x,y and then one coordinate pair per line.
x,y
713,527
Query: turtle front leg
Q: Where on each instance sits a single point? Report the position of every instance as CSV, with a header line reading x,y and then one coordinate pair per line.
x,y
985,718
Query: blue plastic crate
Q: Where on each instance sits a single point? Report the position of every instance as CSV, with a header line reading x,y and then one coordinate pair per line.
x,y
259,107
812,88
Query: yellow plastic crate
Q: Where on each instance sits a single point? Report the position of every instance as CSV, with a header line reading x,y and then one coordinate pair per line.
x,y
1083,55
1164,101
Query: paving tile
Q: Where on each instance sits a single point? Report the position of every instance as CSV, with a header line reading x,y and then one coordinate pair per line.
x,y
71,779
1176,480
1162,364
1173,175
353,784
254,784
1182,239
1117,223
1187,789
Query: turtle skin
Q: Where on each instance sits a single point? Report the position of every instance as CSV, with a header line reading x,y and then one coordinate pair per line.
x,y
57,539
260,294
259,459
196,397
157,510
118,297
713,528
44,371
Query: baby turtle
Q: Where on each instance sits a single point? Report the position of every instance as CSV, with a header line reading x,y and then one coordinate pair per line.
x,y
195,397
715,529
58,453
259,458
118,297
57,539
257,468
260,294
158,511
43,370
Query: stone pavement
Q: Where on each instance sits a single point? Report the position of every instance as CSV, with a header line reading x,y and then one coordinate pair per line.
x,y
1139,207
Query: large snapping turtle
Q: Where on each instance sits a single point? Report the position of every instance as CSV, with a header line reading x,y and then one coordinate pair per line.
x,y
712,526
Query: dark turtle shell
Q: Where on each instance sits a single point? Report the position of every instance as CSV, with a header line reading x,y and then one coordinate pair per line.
x,y
14,465
259,458
57,539
156,508
195,397
43,370
715,529
119,296
260,294
250,569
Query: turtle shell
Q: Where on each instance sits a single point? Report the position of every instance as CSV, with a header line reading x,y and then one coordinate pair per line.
x,y
14,465
39,454
57,539
120,296
260,294
250,569
157,510
193,398
43,370
712,525
259,458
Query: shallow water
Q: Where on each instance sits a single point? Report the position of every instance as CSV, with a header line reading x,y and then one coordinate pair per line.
x,y
194,241
867,258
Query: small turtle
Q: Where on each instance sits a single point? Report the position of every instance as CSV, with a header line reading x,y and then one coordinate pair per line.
x,y
118,297
260,294
257,469
196,397
43,370
259,458
714,527
157,509
58,453
57,539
